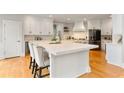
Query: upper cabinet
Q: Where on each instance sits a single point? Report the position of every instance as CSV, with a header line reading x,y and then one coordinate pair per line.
x,y
94,24
46,27
29,25
106,27
104,24
37,26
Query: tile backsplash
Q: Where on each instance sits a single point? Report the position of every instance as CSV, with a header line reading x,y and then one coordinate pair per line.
x,y
106,37
35,37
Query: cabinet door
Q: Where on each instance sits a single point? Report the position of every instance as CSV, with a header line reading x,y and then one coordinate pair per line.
x,y
33,26
37,28
49,27
46,27
94,24
29,26
42,28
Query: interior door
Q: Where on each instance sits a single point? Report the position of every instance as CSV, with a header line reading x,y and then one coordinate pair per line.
x,y
12,38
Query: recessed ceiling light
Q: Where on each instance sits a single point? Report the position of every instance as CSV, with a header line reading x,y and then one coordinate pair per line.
x,y
68,18
50,16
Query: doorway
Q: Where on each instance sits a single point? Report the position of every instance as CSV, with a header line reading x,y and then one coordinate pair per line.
x,y
12,31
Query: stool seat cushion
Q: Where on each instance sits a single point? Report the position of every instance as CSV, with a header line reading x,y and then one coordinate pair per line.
x,y
47,62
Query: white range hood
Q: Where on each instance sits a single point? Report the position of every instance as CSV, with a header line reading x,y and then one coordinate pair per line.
x,y
79,26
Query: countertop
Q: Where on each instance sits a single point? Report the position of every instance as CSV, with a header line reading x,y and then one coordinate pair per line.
x,y
65,47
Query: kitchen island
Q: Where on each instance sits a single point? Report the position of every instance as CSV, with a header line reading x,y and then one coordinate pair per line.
x,y
67,59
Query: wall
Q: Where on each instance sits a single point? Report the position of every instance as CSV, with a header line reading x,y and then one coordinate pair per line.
x,y
117,20
114,47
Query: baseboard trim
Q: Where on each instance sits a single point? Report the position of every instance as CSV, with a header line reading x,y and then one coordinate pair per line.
x,y
119,63
1,58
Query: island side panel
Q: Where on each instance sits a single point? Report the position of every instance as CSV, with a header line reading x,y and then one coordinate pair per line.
x,y
69,65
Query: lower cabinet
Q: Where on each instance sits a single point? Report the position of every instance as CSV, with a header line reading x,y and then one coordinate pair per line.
x,y
114,54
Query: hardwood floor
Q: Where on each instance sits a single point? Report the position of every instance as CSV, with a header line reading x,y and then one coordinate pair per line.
x,y
101,69
19,67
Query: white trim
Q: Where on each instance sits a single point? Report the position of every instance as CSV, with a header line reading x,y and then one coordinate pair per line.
x,y
120,64
1,58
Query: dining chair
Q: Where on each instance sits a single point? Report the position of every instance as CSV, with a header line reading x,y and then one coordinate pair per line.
x,y
32,58
42,61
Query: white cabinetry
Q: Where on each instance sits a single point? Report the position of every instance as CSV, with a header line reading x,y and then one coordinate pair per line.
x,y
106,28
29,26
46,27
94,24
114,54
103,44
36,26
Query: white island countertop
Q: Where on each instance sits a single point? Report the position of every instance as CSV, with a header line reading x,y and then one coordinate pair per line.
x,y
67,59
65,47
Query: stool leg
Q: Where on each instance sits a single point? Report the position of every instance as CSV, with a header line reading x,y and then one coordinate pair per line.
x,y
35,71
40,72
30,62
34,64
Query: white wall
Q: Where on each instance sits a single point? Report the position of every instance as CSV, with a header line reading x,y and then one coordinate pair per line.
x,y
118,25
114,47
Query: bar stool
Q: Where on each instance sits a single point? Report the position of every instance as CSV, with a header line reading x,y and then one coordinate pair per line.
x,y
42,61
32,58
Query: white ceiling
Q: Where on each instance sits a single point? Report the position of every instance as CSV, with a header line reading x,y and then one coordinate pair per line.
x,y
63,17
74,17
